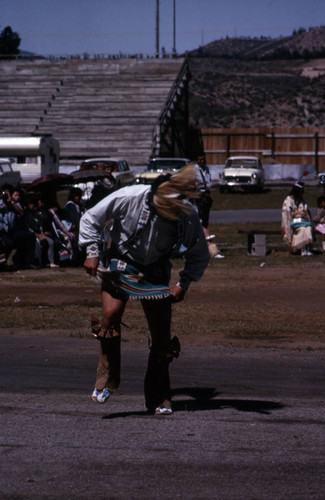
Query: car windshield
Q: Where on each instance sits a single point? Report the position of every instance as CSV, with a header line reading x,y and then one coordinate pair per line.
x,y
5,167
102,165
244,163
172,164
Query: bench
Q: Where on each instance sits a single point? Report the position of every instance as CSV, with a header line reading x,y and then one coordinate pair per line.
x,y
256,240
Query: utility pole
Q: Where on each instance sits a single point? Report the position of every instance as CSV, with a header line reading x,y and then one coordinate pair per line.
x,y
157,29
174,28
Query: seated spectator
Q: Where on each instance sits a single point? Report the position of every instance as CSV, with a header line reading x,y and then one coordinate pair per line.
x,y
48,231
44,245
15,238
64,237
73,211
296,222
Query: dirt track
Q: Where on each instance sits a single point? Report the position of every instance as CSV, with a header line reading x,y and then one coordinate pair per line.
x,y
263,306
247,391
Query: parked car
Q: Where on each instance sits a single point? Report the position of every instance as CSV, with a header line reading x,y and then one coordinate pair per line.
x,y
7,175
121,169
321,179
158,166
244,172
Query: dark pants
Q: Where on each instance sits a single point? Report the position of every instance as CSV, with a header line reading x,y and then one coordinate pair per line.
x,y
204,205
24,243
157,382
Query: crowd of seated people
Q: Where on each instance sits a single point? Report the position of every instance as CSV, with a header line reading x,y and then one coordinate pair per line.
x,y
36,232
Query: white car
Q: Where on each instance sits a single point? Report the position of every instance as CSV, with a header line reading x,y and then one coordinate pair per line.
x,y
244,172
7,175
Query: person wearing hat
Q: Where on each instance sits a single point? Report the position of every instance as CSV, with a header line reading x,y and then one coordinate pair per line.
x,y
296,221
152,224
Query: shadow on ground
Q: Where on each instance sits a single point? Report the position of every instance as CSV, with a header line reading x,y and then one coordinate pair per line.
x,y
201,399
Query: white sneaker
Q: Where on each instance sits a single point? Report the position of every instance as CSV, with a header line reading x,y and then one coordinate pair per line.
x,y
219,256
95,394
160,410
101,397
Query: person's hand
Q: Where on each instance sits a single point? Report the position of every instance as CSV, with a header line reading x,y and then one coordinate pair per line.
x,y
177,293
91,265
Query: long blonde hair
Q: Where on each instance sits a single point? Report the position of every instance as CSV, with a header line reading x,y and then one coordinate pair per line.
x,y
170,199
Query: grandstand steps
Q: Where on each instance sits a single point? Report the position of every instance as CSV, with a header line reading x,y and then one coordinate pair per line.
x,y
85,120
54,114
92,107
77,129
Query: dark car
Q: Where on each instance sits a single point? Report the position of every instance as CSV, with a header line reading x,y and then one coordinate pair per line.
x,y
121,169
158,166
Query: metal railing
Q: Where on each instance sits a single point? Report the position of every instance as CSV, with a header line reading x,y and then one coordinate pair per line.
x,y
166,114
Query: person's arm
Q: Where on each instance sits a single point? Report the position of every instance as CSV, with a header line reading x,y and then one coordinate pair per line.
x,y
178,293
196,257
93,222
90,229
208,176
18,208
91,264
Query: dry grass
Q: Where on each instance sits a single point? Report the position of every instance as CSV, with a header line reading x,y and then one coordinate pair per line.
x,y
241,300
269,198
237,302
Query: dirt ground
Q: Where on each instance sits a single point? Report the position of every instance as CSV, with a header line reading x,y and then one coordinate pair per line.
x,y
261,306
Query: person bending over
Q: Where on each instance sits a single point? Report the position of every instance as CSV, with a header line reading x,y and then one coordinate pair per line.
x,y
151,225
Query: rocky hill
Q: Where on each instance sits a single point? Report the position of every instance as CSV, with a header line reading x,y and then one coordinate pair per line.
x,y
248,83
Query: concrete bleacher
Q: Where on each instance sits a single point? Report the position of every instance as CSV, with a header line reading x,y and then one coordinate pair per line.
x,y
92,107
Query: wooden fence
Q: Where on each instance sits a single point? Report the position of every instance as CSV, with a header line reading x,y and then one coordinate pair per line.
x,y
302,146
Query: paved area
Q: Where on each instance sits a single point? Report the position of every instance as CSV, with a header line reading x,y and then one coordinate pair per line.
x,y
248,424
242,216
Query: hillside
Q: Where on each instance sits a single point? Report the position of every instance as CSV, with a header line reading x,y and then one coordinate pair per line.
x,y
302,44
243,83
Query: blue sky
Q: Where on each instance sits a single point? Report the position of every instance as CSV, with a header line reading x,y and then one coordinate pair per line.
x,y
62,27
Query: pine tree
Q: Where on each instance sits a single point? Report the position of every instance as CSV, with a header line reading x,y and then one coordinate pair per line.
x,y
9,42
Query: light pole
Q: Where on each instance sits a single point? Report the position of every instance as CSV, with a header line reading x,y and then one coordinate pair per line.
x,y
157,29
174,28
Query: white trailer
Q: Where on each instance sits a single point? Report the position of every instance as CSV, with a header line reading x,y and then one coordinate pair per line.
x,y
31,156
